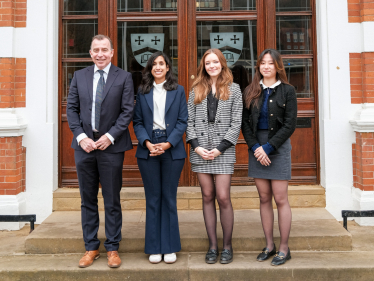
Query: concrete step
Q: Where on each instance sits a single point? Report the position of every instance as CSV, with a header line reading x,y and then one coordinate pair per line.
x,y
189,198
312,229
306,266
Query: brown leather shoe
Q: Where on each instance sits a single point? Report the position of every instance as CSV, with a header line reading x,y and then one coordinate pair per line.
x,y
113,259
89,258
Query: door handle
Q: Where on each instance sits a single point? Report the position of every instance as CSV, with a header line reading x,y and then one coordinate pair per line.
x,y
192,77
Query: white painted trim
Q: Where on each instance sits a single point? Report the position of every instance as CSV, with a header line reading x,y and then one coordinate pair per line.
x,y
363,201
363,120
367,35
12,205
12,124
6,43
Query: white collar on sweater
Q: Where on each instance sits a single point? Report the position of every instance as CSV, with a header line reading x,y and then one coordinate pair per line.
x,y
272,86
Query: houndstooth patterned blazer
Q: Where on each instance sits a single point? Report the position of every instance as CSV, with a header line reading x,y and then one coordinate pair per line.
x,y
226,126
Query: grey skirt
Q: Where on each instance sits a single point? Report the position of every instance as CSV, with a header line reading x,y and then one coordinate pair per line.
x,y
211,167
280,167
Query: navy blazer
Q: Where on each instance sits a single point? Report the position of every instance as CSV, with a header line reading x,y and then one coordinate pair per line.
x,y
116,108
175,120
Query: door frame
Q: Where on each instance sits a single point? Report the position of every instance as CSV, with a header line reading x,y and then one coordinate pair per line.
x,y
186,17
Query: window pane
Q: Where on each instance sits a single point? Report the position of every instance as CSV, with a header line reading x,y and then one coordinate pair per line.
x,y
208,5
137,41
77,37
68,69
243,4
293,5
164,5
80,7
129,6
294,35
237,40
300,75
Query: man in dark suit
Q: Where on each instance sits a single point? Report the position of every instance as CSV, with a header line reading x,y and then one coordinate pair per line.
x,y
99,111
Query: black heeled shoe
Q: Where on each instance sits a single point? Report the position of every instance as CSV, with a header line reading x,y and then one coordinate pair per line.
x,y
211,256
281,258
266,254
227,256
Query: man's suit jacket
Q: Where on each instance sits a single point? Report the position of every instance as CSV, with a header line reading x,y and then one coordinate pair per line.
x,y
175,121
226,126
116,108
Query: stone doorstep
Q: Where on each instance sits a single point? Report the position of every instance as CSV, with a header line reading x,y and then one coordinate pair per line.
x,y
313,230
306,266
189,198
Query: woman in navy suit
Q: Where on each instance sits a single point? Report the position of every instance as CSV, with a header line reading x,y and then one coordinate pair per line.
x,y
160,120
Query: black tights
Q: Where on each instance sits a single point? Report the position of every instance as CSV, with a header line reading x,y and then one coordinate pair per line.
x,y
266,190
220,189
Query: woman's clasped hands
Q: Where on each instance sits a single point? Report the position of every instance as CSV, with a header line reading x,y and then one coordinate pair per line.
x,y
261,156
208,154
158,148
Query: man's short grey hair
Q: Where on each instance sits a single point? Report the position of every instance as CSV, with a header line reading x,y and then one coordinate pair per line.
x,y
102,37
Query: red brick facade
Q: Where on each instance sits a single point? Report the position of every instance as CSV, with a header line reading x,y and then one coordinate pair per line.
x,y
362,77
363,161
360,10
12,166
13,13
12,82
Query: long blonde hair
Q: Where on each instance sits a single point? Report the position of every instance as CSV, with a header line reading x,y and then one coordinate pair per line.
x,y
202,84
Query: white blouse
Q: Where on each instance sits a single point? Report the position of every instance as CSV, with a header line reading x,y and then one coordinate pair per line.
x,y
159,101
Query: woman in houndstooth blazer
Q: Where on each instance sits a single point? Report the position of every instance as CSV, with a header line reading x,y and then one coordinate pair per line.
x,y
213,127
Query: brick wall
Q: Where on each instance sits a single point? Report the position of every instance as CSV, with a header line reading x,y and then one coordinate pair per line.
x,y
12,166
12,82
13,13
360,10
362,77
363,161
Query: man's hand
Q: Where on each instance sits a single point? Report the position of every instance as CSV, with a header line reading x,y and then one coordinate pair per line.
x,y
103,142
261,156
155,151
87,145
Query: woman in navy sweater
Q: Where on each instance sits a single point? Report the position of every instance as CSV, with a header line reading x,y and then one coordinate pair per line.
x,y
269,119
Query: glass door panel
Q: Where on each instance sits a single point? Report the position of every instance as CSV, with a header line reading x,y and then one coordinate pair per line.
x,y
163,5
243,4
137,41
294,35
124,6
236,40
208,5
77,37
293,5
300,75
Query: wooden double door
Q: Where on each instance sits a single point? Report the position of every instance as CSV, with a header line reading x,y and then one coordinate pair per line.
x,y
184,30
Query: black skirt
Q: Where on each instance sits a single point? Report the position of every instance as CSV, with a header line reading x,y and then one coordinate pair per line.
x,y
280,166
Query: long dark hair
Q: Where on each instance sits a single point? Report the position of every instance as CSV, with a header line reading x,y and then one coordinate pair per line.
x,y
147,80
253,91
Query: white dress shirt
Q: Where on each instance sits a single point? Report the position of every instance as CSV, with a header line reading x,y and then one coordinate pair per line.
x,y
159,101
96,78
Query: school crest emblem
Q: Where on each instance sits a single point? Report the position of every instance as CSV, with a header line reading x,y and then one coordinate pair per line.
x,y
229,43
143,45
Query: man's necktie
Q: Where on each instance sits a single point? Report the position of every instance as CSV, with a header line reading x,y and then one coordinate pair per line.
x,y
99,98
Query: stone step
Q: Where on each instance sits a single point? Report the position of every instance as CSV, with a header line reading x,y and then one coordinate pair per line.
x,y
313,229
306,266
189,198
